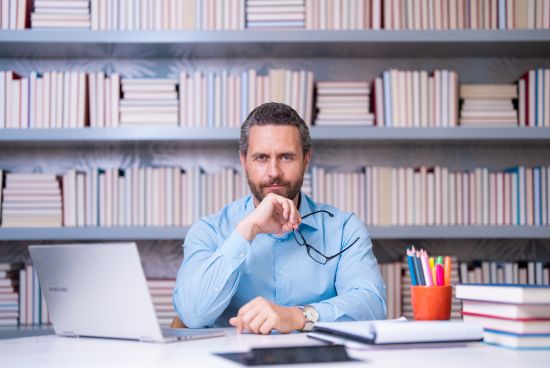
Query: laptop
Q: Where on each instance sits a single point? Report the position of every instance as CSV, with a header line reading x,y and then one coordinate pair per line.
x,y
100,290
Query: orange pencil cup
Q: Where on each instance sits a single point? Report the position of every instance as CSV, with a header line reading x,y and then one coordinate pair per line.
x,y
431,302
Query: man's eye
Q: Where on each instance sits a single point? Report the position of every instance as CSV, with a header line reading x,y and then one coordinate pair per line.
x,y
287,157
261,158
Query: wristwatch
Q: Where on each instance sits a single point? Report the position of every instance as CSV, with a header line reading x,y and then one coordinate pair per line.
x,y
311,315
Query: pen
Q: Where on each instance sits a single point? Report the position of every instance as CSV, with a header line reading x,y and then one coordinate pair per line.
x,y
411,268
418,269
447,270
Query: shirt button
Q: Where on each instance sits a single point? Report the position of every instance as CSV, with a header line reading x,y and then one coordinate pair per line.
x,y
280,272
216,289
241,255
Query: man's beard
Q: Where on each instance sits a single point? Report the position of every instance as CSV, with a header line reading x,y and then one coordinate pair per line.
x,y
287,190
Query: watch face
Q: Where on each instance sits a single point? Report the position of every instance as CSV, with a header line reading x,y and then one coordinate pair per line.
x,y
311,313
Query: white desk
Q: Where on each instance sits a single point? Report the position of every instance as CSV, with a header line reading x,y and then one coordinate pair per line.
x,y
54,351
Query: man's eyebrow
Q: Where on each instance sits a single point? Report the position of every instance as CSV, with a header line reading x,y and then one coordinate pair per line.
x,y
256,154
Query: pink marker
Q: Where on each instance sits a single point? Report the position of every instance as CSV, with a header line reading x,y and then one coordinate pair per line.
x,y
439,274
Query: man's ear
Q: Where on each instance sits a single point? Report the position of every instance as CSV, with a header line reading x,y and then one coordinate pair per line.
x,y
307,159
242,157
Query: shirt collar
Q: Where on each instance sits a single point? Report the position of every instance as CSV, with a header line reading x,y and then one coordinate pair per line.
x,y
304,209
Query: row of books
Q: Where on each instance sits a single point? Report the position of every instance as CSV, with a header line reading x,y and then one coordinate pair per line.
x,y
9,299
534,98
129,15
466,14
147,196
516,316
404,196
416,99
498,272
224,99
380,196
400,98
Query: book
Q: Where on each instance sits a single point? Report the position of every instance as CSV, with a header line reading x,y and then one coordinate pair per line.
x,y
519,326
402,331
506,293
514,340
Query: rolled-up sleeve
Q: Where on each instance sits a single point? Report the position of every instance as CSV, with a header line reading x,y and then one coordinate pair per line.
x,y
361,294
209,274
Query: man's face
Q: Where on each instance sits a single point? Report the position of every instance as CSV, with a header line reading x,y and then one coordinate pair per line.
x,y
275,162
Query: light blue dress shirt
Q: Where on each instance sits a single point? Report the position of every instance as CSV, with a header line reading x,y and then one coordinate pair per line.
x,y
222,271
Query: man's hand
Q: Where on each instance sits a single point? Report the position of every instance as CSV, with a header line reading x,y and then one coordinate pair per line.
x,y
274,215
260,316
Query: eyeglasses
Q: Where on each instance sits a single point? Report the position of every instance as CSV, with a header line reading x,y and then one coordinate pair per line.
x,y
313,253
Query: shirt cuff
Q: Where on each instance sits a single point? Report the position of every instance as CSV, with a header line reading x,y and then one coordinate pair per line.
x,y
235,248
325,310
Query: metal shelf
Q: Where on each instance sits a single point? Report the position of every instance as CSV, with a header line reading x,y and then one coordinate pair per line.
x,y
178,233
318,134
252,43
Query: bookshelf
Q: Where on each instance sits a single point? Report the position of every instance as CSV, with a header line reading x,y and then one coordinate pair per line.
x,y
500,56
280,43
318,134
178,233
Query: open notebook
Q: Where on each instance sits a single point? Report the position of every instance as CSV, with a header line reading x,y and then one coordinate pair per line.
x,y
400,331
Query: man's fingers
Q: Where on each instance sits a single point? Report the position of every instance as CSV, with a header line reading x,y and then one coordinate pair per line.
x,y
267,326
256,322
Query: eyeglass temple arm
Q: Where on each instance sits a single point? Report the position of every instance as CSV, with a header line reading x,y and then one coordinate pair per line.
x,y
340,252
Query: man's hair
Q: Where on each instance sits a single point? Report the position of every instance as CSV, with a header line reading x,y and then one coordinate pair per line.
x,y
274,113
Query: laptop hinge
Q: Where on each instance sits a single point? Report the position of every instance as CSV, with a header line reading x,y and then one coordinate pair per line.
x,y
68,334
146,339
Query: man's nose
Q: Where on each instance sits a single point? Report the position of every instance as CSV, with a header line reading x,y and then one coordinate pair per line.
x,y
274,168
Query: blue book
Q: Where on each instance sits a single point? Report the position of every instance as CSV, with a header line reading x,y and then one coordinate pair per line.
x,y
502,14
387,98
517,341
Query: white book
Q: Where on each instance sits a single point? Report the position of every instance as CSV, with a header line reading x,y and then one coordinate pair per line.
x,y
80,199
32,99
24,104
2,97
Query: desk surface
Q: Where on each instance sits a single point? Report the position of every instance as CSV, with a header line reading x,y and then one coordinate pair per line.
x,y
55,351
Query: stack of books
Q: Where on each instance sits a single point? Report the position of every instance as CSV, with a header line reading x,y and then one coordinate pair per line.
x,y
343,103
104,92
288,14
412,98
149,101
31,200
9,288
32,304
161,293
534,104
61,14
488,105
516,316
14,14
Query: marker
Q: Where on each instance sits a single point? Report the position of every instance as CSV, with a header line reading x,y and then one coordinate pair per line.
x,y
432,269
447,270
439,274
